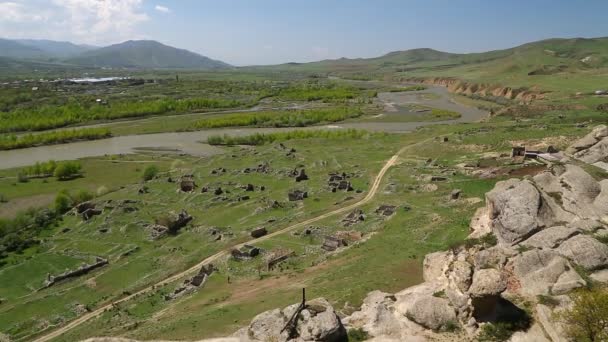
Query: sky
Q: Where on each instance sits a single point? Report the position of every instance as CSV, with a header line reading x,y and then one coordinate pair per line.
x,y
253,32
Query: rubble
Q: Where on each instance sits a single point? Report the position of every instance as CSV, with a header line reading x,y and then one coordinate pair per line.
x,y
187,184
386,210
245,253
353,217
192,284
258,232
82,270
297,195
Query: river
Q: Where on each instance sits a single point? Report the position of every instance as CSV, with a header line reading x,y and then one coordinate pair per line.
x,y
190,142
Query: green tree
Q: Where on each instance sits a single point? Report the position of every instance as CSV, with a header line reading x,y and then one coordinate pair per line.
x,y
587,319
63,203
150,172
67,170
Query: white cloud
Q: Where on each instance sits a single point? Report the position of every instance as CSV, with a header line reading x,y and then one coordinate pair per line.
x,y
83,21
18,13
162,9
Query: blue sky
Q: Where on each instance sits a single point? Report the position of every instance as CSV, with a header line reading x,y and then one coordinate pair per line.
x,y
244,32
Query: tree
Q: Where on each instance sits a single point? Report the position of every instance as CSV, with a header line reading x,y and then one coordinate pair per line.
x,y
63,203
67,170
587,318
150,172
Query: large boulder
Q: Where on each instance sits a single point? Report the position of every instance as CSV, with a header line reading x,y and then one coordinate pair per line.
x,y
592,148
537,272
376,316
487,282
432,312
585,251
550,237
493,257
434,265
316,322
461,274
513,207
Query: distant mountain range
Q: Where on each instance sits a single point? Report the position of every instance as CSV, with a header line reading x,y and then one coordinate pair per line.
x,y
141,54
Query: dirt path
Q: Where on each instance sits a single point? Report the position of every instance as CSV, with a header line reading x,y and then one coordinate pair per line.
x,y
98,312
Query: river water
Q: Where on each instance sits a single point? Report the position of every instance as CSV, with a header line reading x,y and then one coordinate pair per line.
x,y
190,142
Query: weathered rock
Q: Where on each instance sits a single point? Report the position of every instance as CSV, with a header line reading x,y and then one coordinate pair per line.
x,y
301,176
316,322
537,271
487,282
84,206
550,237
600,276
534,334
460,275
494,257
593,147
297,195
552,328
375,315
513,208
585,251
432,312
434,265
455,194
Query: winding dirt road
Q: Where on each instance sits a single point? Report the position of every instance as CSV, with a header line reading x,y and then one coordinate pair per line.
x,y
98,312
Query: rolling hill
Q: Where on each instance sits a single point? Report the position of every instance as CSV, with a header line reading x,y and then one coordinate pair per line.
x,y
13,49
56,49
145,54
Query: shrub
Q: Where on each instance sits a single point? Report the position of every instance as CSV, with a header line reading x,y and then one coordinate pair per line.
x,y
22,177
67,170
63,203
81,197
587,318
495,332
150,172
356,335
102,190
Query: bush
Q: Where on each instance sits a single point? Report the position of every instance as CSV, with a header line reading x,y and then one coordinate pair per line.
x,y
67,170
22,177
63,203
261,139
587,318
150,172
81,197
356,335
495,332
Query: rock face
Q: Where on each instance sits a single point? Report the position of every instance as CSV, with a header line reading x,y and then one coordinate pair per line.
x,y
432,312
316,322
513,207
593,148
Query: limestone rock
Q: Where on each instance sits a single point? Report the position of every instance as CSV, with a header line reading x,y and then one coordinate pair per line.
x,y
550,237
600,276
585,251
550,326
513,208
434,264
493,257
480,223
487,282
376,316
267,326
461,275
432,312
537,271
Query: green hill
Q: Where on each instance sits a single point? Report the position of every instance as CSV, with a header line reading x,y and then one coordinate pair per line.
x,y
13,49
145,54
56,49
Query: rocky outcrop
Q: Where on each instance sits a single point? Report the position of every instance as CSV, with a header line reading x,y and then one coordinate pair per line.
x,y
317,321
523,95
593,148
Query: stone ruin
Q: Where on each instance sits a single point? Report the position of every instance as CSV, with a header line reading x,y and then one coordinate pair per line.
x,y
331,243
218,234
219,170
353,218
246,252
301,176
276,256
187,183
169,224
339,181
258,232
386,210
297,195
82,270
261,168
191,285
